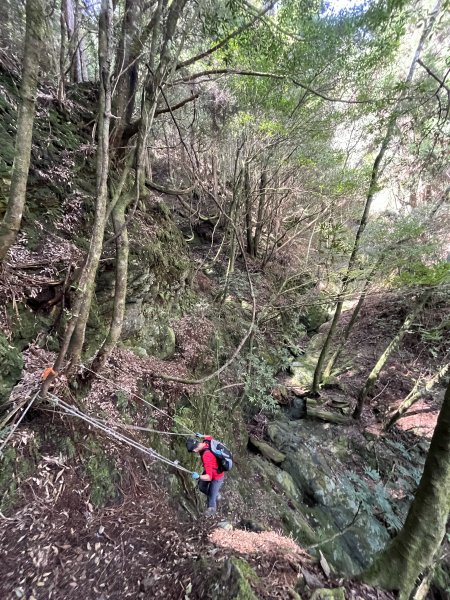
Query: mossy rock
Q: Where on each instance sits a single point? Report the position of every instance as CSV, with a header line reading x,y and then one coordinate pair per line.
x,y
328,594
236,581
267,450
11,364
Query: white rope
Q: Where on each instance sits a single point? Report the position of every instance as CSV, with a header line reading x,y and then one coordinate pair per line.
x,y
190,432
17,423
75,412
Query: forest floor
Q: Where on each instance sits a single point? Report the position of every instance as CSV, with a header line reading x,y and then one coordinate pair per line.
x,y
57,545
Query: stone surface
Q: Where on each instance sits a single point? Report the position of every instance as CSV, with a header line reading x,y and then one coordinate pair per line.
x,y
325,493
266,450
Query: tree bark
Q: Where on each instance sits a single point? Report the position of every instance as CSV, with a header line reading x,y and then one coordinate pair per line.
x,y
373,185
260,213
248,210
75,331
126,69
120,288
34,41
393,345
416,545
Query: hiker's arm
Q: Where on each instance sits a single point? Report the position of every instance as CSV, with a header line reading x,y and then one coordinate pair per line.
x,y
206,477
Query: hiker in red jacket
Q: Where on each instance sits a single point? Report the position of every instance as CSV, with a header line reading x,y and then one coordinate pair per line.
x,y
212,478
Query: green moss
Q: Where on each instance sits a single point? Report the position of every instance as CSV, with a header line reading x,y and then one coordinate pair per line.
x,y
243,575
13,470
8,484
11,363
103,476
68,447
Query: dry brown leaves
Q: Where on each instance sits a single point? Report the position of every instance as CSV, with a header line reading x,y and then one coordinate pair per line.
x,y
249,542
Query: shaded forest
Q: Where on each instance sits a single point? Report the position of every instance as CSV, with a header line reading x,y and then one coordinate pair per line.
x,y
225,218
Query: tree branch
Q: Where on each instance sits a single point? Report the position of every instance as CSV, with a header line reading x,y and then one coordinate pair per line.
x,y
169,191
277,76
226,39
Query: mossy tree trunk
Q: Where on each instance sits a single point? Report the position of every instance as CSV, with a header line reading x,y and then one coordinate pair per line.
x,y
414,548
73,340
126,69
122,198
373,187
34,42
120,289
392,346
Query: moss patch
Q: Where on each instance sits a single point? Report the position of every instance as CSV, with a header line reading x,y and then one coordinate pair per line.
x,y
103,476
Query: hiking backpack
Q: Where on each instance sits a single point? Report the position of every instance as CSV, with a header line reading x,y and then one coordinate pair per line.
x,y
223,455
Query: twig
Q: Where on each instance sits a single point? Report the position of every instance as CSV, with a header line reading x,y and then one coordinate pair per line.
x,y
339,533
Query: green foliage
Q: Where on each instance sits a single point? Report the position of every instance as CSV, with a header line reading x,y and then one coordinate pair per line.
x,y
259,381
418,273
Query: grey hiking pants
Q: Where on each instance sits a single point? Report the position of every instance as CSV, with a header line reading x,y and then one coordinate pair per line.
x,y
211,489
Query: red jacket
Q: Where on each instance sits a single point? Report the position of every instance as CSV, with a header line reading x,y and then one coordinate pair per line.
x,y
210,463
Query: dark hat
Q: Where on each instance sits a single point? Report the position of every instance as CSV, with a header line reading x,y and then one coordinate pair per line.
x,y
191,444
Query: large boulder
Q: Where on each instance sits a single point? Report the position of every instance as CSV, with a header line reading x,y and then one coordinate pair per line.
x,y
315,454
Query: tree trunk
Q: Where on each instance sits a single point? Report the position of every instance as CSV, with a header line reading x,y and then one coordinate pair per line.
x,y
120,289
248,210
373,186
74,335
414,548
418,391
260,213
393,345
34,37
348,329
126,69
62,55
72,21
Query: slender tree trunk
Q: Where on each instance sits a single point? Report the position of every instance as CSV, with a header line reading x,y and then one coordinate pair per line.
x,y
120,289
126,69
343,339
373,186
393,345
87,281
74,335
416,545
419,390
72,20
260,213
248,210
34,37
62,55
361,300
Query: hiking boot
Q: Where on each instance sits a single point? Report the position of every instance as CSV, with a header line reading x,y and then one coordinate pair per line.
x,y
210,511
